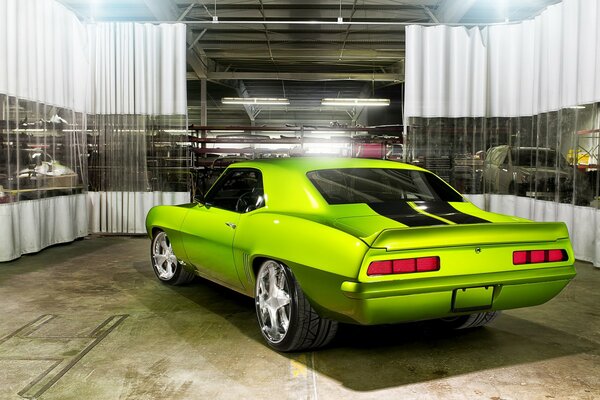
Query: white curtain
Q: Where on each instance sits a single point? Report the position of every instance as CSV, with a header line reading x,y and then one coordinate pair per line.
x,y
125,212
532,67
445,69
516,85
138,111
29,226
138,68
43,89
42,53
112,95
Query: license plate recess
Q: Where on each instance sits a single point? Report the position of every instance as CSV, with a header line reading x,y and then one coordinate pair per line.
x,y
473,298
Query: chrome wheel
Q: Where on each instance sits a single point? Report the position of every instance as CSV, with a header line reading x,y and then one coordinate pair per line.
x,y
273,301
164,260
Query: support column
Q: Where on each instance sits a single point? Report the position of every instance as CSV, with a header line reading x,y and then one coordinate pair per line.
x,y
203,105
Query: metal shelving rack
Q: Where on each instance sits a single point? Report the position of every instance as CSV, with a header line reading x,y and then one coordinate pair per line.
x,y
211,152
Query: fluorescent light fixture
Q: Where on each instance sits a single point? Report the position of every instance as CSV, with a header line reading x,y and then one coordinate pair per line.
x,y
355,102
255,100
324,148
29,130
226,131
577,107
328,132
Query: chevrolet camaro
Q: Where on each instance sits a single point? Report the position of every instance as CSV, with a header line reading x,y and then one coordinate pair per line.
x,y
321,241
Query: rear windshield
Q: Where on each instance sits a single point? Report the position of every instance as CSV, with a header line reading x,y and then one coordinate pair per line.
x,y
376,185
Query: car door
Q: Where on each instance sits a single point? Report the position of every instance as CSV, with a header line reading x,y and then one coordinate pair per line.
x,y
209,229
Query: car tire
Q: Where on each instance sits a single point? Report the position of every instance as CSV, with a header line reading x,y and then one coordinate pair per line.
x,y
470,321
165,264
286,319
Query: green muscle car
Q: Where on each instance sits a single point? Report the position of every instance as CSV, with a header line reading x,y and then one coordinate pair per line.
x,y
321,241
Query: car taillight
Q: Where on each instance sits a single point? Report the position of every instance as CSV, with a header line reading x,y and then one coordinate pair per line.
x,y
404,266
539,256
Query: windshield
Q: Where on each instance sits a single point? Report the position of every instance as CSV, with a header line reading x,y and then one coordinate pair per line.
x,y
377,185
527,158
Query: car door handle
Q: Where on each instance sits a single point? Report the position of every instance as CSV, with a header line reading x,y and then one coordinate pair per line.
x,y
231,225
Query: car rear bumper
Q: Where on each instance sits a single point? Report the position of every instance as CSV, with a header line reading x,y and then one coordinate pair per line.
x,y
439,297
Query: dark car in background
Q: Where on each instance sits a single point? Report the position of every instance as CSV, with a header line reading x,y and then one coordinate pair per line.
x,y
542,173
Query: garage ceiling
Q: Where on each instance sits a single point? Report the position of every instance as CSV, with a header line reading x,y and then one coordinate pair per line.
x,y
299,50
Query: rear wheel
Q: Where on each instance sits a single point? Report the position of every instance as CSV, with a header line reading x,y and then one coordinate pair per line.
x,y
470,321
286,319
165,264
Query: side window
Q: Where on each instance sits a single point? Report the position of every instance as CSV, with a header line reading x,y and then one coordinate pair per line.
x,y
239,190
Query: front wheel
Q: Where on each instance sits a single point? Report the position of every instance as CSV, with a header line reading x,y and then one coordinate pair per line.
x,y
286,319
164,262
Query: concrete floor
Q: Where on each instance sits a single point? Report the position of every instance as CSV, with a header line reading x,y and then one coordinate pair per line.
x,y
89,320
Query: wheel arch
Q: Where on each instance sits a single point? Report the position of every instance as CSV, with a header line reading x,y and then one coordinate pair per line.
x,y
321,288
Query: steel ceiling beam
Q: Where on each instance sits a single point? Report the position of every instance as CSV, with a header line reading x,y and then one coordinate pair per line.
x,y
347,28
262,11
312,54
251,110
452,11
309,22
186,11
431,15
309,76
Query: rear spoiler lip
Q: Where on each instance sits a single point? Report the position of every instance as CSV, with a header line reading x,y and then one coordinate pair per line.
x,y
393,239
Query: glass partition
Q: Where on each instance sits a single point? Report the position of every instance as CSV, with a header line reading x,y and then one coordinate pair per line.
x,y
138,153
42,150
551,156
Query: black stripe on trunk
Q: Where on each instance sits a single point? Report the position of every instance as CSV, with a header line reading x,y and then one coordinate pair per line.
x,y
445,210
404,213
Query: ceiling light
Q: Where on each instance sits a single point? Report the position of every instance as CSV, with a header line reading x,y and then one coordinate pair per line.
x,y
328,132
226,131
577,107
255,100
355,102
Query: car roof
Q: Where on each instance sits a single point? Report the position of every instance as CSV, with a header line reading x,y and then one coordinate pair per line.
x,y
288,189
306,164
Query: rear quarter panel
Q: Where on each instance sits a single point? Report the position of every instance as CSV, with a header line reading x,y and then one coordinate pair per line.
x,y
320,257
